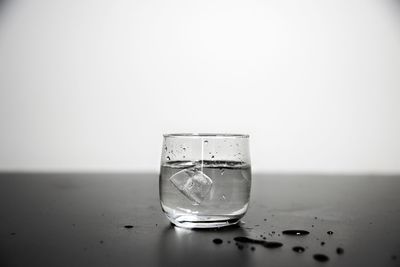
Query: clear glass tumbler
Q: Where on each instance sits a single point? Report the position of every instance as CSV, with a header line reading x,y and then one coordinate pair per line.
x,y
205,179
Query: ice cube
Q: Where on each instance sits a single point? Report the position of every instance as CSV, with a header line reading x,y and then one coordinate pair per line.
x,y
246,175
192,183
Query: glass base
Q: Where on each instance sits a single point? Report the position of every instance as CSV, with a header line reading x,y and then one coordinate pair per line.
x,y
191,221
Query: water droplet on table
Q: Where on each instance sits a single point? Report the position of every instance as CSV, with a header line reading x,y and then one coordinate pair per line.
x,y
320,257
217,241
245,239
295,232
298,249
272,244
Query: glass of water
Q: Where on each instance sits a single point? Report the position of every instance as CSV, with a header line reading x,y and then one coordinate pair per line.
x,y
205,179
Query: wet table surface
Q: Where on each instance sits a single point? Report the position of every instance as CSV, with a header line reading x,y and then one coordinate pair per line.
x,y
79,220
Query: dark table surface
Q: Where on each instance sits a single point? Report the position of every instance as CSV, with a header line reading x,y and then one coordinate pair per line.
x,y
79,219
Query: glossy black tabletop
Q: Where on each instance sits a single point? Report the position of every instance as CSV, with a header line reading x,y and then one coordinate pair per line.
x,y
79,220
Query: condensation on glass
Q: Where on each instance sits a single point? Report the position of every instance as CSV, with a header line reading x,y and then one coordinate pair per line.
x,y
205,179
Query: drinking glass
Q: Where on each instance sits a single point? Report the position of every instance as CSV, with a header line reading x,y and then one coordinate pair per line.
x,y
205,179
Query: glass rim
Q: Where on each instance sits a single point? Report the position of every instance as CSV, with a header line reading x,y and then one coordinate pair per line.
x,y
207,135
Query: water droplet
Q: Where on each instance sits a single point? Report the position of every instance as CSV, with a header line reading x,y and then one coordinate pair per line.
x,y
298,249
266,244
168,158
322,243
265,220
321,257
128,226
329,233
101,241
295,232
272,244
245,239
217,241
222,171
184,148
339,251
212,156
205,142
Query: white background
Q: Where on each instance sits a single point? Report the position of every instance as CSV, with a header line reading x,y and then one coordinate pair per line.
x,y
92,85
